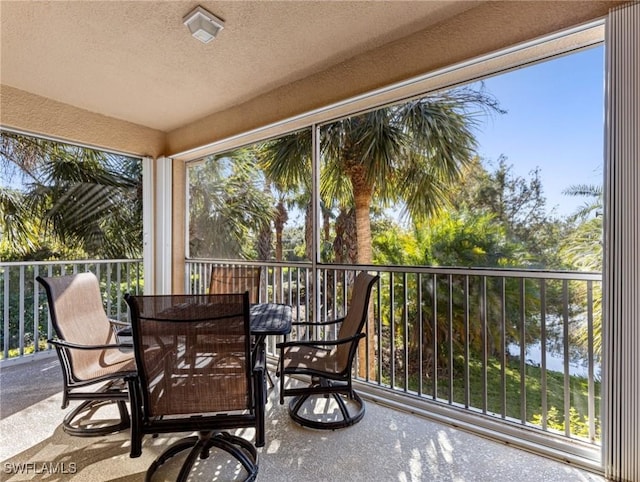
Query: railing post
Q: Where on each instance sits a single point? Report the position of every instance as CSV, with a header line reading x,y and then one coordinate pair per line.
x,y
36,311
523,353
543,351
21,313
5,321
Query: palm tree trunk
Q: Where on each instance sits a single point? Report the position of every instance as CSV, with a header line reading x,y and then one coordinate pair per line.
x,y
363,194
345,244
308,231
280,221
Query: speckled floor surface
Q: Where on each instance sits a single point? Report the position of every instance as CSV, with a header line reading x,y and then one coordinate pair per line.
x,y
387,445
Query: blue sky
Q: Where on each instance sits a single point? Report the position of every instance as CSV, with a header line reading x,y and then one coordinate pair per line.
x,y
554,120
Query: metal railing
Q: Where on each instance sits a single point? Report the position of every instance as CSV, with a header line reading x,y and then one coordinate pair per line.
x,y
26,323
497,350
521,347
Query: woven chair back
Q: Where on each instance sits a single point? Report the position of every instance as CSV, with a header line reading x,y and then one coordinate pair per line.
x,y
357,314
78,316
236,279
193,353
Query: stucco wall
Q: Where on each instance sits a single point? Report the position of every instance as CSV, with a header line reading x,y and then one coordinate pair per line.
x,y
31,113
489,27
486,28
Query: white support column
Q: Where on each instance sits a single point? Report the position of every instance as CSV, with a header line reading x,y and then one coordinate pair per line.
x,y
621,303
163,227
317,222
148,252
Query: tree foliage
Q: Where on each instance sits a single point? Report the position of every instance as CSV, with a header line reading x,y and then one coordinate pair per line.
x,y
286,163
407,155
517,203
450,307
66,201
582,249
228,207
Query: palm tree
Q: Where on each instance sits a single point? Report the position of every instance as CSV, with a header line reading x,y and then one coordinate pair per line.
x,y
463,238
65,195
593,207
286,163
583,249
409,154
230,211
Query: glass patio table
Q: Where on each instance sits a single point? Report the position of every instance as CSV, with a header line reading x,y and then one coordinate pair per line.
x,y
265,318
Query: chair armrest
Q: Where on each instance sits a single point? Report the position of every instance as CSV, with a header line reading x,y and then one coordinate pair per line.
x,y
320,343
122,329
119,323
260,393
317,323
75,346
260,362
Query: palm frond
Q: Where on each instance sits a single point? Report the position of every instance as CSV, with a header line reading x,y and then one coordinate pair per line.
x,y
586,190
17,228
287,160
76,196
595,207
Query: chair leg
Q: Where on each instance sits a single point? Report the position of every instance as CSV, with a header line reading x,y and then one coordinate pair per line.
x,y
348,419
199,450
114,391
281,375
199,445
88,405
240,449
174,449
345,411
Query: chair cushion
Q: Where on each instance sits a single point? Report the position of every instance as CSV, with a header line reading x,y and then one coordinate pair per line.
x,y
111,361
301,358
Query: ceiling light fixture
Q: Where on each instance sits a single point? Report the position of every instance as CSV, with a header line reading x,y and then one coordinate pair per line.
x,y
203,25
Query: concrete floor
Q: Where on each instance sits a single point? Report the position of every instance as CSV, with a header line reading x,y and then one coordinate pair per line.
x,y
387,445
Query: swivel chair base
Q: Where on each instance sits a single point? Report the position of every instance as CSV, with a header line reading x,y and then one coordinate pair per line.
x,y
351,409
200,445
102,397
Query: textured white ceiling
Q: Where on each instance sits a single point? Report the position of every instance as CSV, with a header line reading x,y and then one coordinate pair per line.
x,y
135,60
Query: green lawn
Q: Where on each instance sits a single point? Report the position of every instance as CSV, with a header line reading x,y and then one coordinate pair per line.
x,y
555,396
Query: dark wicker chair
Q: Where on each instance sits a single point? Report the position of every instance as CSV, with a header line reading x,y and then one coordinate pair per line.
x,y
236,279
89,353
328,364
196,373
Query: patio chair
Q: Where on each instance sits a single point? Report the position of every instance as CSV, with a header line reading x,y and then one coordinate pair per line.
x,y
236,279
196,373
328,364
94,364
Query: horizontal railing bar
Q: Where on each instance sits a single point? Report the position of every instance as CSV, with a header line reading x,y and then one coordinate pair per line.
x,y
241,262
489,272
67,263
582,454
443,270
